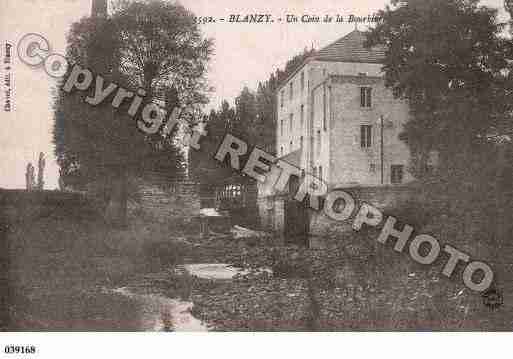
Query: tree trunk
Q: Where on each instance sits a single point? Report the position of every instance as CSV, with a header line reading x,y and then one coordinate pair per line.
x,y
123,197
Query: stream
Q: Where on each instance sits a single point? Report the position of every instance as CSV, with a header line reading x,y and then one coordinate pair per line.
x,y
160,313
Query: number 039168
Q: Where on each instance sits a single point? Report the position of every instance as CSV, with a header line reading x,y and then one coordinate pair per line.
x,y
20,349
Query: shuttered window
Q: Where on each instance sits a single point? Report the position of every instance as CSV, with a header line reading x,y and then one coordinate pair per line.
x,y
365,96
366,136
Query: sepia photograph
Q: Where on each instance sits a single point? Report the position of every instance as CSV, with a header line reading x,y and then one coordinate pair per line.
x,y
241,166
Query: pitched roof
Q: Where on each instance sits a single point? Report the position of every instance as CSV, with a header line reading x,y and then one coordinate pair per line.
x,y
350,48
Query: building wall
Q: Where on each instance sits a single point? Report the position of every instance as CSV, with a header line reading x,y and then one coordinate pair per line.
x,y
383,197
270,203
344,162
292,106
349,162
318,150
271,211
315,73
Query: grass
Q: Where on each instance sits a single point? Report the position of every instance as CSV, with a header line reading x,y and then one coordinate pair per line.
x,y
60,266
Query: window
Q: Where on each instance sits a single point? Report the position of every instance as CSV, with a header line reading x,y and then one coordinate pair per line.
x,y
320,172
324,107
365,96
301,142
282,97
291,124
281,127
318,142
302,115
281,150
366,136
315,171
302,81
397,174
312,146
291,90
372,168
323,72
290,146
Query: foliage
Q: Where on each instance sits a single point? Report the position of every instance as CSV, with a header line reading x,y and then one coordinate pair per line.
x,y
155,46
448,60
253,119
202,164
162,45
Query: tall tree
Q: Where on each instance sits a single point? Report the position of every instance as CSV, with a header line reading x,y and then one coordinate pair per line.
x,y
98,144
204,168
253,119
160,44
256,111
450,60
447,58
293,64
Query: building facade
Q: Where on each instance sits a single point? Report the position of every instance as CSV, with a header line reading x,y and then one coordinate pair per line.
x,y
336,111
337,121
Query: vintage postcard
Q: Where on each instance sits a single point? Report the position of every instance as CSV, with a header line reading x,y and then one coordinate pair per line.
x,y
258,166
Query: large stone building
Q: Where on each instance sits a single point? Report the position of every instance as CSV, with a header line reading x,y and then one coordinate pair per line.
x,y
336,111
338,121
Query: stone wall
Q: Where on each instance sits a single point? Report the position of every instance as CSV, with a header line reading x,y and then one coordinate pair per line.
x,y
388,198
271,209
271,212
167,201
20,205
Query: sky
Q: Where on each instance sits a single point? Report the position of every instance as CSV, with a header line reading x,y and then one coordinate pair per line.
x,y
244,55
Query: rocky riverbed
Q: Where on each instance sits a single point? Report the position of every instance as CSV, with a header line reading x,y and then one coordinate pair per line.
x,y
72,274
